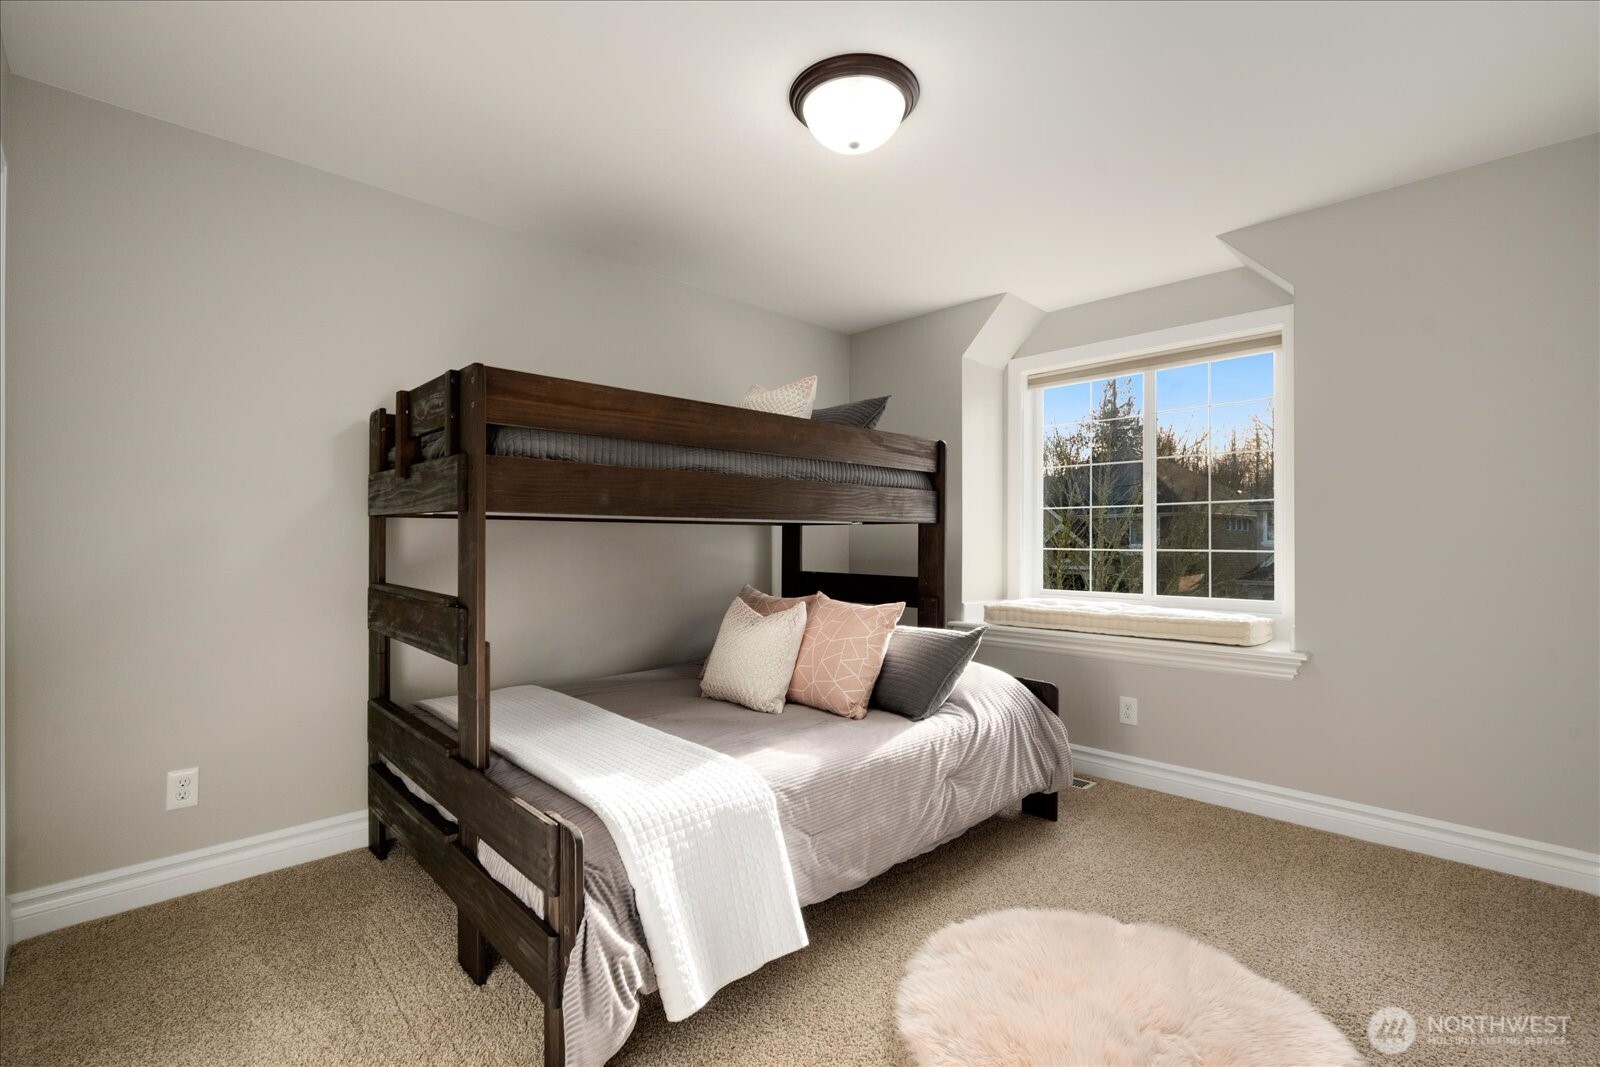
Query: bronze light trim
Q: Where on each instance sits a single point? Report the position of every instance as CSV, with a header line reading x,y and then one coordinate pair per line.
x,y
850,65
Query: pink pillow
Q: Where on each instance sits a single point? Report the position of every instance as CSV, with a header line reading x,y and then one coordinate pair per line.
x,y
767,604
841,654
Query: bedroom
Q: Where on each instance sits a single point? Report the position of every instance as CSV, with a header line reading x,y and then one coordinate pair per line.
x,y
1221,313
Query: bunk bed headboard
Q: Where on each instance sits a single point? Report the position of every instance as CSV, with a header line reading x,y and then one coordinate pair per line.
x,y
924,591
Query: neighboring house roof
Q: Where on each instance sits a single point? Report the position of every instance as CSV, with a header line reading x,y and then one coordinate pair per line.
x,y
1261,573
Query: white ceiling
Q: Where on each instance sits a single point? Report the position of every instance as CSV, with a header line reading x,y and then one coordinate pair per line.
x,y
1062,153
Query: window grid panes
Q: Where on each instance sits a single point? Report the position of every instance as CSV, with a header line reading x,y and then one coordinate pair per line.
x,y
1212,468
1093,462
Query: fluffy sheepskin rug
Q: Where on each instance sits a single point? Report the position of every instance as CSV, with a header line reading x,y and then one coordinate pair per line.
x,y
1031,988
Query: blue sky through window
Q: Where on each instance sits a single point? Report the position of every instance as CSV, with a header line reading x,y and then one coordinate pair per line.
x,y
1230,381
1213,477
1237,422
1181,387
1066,403
1201,404
1241,378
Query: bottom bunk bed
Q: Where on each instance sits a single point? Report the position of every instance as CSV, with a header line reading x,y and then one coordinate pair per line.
x,y
853,798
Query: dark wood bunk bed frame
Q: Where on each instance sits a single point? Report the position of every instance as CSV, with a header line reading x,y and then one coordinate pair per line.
x,y
471,485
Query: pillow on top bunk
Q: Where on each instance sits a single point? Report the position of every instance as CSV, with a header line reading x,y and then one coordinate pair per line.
x,y
862,413
921,668
753,660
795,399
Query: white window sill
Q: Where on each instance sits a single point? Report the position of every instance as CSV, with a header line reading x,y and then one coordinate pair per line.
x,y
1272,660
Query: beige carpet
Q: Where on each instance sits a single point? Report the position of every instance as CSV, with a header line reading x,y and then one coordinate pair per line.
x,y
348,961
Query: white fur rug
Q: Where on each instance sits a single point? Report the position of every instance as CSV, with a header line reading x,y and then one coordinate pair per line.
x,y
1031,988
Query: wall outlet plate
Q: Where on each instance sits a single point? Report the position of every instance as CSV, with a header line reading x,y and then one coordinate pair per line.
x,y
183,788
1128,711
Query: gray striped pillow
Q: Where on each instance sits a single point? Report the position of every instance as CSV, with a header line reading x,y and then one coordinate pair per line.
x,y
862,413
921,667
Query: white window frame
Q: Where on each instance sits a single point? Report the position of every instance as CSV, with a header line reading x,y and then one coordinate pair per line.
x,y
1024,463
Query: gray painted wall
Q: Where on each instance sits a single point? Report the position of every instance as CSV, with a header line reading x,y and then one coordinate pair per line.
x,y
982,525
983,496
1447,378
1211,296
918,361
197,334
946,374
5,911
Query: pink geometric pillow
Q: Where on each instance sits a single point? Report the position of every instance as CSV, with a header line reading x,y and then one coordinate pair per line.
x,y
841,654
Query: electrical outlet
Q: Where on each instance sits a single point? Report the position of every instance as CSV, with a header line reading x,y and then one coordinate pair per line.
x,y
1128,711
183,788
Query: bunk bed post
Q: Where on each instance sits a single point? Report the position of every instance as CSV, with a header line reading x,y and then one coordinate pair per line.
x,y
930,556
789,569
452,414
563,910
1043,805
378,435
403,442
472,678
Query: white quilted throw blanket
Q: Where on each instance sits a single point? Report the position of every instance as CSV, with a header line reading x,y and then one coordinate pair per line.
x,y
697,830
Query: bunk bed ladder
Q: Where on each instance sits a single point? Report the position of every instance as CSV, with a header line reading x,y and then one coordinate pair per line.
x,y
380,437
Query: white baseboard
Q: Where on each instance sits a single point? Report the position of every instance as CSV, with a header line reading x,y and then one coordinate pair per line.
x,y
1555,864
38,911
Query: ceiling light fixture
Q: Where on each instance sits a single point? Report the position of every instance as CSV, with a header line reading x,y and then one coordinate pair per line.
x,y
853,103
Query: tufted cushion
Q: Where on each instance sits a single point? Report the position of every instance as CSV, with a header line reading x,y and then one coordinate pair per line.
x,y
794,399
1133,620
753,660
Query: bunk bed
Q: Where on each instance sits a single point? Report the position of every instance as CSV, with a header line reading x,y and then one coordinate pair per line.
x,y
485,443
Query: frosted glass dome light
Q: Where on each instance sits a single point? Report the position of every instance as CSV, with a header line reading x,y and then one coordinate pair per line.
x,y
853,115
854,103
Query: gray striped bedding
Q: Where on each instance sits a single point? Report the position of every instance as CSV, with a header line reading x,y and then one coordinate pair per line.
x,y
865,794
653,455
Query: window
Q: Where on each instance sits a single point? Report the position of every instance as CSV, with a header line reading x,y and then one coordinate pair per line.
x,y
1156,478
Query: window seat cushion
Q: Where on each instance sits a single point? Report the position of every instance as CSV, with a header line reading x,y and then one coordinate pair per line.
x,y
1133,620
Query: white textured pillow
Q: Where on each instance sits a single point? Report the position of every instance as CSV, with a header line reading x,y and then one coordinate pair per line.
x,y
753,659
795,399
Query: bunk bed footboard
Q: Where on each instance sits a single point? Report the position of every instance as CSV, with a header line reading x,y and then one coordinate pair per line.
x,y
545,849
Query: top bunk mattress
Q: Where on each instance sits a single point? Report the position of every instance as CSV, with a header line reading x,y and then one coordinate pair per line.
x,y
656,455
